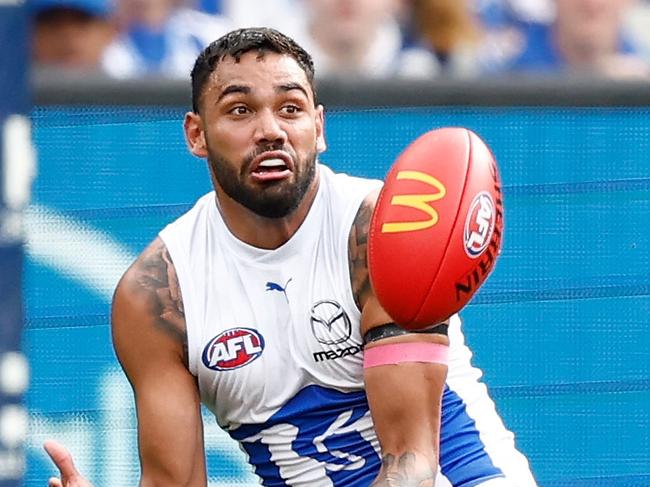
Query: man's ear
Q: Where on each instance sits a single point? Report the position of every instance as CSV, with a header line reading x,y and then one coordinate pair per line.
x,y
195,135
321,145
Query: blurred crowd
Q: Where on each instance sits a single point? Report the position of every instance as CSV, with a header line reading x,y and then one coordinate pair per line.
x,y
367,38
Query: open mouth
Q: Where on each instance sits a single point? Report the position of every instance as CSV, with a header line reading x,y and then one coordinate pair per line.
x,y
272,166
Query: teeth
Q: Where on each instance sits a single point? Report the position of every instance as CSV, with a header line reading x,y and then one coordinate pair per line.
x,y
272,163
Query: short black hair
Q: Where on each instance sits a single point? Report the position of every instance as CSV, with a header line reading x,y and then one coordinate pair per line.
x,y
239,42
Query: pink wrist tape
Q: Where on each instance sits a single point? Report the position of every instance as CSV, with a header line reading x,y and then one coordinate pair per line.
x,y
398,353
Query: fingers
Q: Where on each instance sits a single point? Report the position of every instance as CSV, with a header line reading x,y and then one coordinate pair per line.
x,y
63,461
54,482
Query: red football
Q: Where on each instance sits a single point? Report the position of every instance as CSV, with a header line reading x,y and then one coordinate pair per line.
x,y
436,231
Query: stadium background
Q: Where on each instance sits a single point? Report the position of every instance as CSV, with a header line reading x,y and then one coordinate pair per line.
x,y
560,329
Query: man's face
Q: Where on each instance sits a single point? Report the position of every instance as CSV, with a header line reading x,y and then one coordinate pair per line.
x,y
590,23
70,38
262,132
349,21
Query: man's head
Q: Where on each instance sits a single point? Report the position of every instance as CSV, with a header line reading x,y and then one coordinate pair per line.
x,y
591,28
238,42
256,120
347,24
71,33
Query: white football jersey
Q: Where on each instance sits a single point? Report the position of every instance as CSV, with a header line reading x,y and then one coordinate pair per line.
x,y
273,338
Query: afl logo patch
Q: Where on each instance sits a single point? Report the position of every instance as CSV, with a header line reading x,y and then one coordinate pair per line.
x,y
479,224
232,349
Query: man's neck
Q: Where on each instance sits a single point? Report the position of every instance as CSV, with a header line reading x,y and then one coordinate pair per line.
x,y
259,231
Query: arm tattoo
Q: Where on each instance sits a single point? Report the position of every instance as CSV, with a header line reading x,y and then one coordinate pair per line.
x,y
404,472
357,248
156,274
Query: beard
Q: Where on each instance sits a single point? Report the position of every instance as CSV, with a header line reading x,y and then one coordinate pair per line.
x,y
272,200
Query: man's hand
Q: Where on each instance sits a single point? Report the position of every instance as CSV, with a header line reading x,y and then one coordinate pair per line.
x,y
70,476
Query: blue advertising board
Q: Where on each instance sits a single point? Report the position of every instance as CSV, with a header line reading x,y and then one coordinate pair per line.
x,y
560,329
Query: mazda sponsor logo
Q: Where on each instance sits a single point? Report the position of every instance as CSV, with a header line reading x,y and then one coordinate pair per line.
x,y
330,323
336,353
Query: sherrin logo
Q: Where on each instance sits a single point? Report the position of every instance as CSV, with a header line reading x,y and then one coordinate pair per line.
x,y
233,349
479,224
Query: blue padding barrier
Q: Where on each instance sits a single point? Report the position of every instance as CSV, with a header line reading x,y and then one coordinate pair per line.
x,y
561,329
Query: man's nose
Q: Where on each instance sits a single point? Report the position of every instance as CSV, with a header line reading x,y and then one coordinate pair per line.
x,y
269,129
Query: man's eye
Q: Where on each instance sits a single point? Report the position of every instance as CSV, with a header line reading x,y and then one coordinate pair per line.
x,y
239,110
290,109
